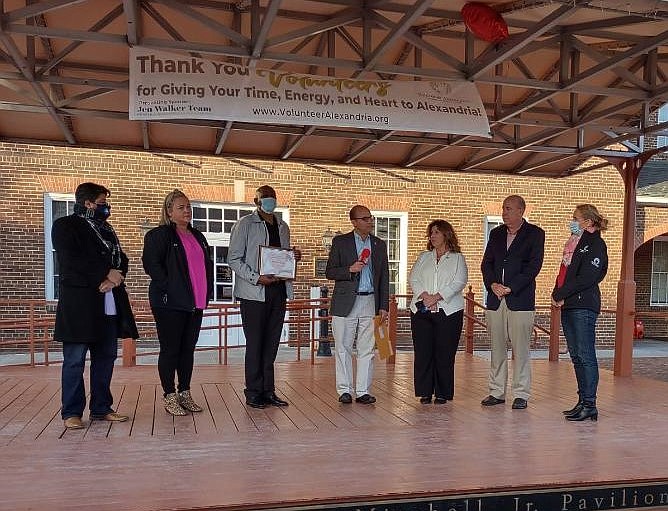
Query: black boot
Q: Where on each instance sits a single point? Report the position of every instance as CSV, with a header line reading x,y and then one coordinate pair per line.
x,y
575,410
588,411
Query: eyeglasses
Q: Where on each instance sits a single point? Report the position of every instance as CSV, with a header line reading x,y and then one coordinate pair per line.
x,y
365,218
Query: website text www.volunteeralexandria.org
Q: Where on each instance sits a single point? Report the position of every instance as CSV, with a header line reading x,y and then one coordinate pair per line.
x,y
310,114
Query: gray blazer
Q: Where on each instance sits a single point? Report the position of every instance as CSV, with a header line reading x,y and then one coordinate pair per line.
x,y
247,235
342,255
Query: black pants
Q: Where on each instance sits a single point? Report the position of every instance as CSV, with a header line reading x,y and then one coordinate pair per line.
x,y
262,323
435,341
177,332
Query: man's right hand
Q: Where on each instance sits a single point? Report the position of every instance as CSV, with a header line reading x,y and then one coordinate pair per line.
x,y
107,285
356,267
500,290
267,280
115,276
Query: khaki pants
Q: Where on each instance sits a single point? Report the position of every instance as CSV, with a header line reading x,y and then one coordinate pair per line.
x,y
359,323
505,325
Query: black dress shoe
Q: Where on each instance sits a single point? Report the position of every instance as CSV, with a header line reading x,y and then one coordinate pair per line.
x,y
274,400
425,400
366,399
491,401
519,403
440,401
345,398
255,402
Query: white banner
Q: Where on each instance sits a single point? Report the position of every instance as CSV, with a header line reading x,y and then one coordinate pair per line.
x,y
168,86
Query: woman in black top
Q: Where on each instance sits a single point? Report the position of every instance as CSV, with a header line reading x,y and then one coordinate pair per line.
x,y
576,292
176,257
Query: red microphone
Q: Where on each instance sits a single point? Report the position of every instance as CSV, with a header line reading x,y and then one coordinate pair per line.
x,y
364,255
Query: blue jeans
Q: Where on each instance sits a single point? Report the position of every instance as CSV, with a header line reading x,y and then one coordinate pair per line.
x,y
102,356
580,331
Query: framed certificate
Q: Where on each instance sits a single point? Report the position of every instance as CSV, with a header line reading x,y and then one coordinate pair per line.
x,y
279,262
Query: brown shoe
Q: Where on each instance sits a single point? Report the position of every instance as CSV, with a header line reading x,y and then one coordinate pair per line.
x,y
73,423
186,401
110,417
173,406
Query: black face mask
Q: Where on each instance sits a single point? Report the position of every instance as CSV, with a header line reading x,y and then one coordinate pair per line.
x,y
101,212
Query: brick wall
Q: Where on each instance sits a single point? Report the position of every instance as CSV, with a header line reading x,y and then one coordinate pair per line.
x,y
318,198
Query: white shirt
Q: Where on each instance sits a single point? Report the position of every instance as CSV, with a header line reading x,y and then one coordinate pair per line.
x,y
447,277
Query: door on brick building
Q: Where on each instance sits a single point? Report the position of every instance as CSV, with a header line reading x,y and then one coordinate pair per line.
x,y
215,221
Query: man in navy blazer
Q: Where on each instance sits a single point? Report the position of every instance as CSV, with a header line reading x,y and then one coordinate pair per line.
x,y
358,263
512,260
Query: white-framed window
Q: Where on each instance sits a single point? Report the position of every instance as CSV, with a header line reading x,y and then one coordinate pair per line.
x,y
392,227
659,281
489,222
662,116
215,221
56,205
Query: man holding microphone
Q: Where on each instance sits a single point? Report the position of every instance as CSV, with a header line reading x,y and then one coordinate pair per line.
x,y
358,265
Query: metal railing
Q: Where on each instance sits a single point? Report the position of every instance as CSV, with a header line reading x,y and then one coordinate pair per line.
x,y
27,326
29,322
552,332
303,320
471,321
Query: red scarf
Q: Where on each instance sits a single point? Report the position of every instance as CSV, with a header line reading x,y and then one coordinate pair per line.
x,y
569,248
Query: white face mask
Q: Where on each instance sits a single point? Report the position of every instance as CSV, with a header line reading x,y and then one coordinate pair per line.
x,y
575,228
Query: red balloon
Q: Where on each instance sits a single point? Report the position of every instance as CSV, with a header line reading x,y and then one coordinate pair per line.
x,y
484,22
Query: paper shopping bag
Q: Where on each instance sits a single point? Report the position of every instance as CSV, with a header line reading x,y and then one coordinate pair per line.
x,y
382,336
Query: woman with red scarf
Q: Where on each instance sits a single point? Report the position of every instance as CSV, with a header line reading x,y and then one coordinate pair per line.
x,y
583,267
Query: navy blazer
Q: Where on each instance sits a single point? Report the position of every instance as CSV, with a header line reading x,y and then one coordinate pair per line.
x,y
342,255
515,267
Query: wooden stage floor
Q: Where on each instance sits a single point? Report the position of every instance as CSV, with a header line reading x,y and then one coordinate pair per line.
x,y
319,452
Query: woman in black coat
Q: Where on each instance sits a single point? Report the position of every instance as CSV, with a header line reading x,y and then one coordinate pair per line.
x,y
583,267
93,307
176,257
